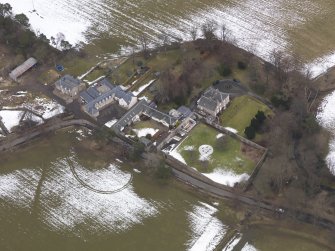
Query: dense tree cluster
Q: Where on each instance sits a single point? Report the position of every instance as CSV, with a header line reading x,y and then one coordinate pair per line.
x,y
255,125
15,32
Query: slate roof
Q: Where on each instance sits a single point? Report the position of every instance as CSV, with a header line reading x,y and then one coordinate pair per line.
x,y
119,93
215,94
106,82
86,97
128,97
92,96
93,92
142,107
207,103
185,111
212,98
68,82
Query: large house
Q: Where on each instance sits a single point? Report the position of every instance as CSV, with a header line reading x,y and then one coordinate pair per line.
x,y
102,94
213,101
143,108
69,86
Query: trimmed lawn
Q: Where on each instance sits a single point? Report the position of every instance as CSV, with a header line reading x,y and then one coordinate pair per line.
x,y
226,155
48,77
146,124
240,112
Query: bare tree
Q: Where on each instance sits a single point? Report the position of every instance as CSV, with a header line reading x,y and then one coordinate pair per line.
x,y
224,32
164,39
276,58
144,42
284,64
194,33
208,30
59,38
5,9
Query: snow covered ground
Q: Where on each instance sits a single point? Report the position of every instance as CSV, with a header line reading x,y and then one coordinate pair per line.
x,y
218,175
52,17
145,131
143,87
227,178
232,243
207,230
326,118
11,118
321,65
256,25
43,106
77,205
248,247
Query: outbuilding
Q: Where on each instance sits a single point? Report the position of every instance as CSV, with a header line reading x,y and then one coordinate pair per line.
x,y
21,69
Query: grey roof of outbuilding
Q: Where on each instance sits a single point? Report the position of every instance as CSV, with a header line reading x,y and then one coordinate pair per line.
x,y
25,66
184,110
68,82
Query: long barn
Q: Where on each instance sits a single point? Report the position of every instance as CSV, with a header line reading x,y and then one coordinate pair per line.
x,y
20,70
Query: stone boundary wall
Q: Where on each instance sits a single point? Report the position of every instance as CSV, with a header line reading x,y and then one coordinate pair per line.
x,y
186,169
248,142
234,135
14,140
256,170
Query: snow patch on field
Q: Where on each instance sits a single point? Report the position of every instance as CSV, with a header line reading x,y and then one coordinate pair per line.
x,y
207,230
65,204
326,118
47,108
256,25
52,17
175,154
321,65
18,187
145,131
232,243
11,118
143,87
248,247
43,106
227,178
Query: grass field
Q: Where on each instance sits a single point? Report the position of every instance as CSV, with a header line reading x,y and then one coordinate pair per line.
x,y
240,112
227,156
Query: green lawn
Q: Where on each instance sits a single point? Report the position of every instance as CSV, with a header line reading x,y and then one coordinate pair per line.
x,y
240,112
145,124
226,155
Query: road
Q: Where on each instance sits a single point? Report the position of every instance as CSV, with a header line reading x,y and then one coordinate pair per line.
x,y
282,210
16,140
